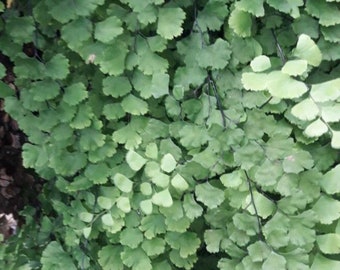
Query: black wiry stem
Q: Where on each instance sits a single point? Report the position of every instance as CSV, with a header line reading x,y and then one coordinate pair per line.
x,y
255,209
212,86
279,49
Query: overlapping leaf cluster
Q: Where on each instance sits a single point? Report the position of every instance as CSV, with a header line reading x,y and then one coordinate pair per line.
x,y
179,134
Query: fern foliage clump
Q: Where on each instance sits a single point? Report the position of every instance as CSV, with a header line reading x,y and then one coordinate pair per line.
x,y
177,134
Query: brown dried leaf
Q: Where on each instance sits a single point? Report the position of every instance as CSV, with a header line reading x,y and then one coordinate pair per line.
x,y
8,225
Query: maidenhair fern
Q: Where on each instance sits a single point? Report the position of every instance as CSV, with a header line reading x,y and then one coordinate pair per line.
x,y
177,134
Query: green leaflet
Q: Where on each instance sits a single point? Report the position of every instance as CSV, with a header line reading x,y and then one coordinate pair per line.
x,y
168,163
335,142
329,181
162,198
158,178
153,225
45,90
135,161
5,90
20,29
212,16
148,15
295,67
153,246
287,6
216,55
54,257
254,81
57,67
82,118
164,265
316,128
169,22
276,230
100,153
150,63
136,259
146,206
122,182
274,260
75,93
241,22
254,7
186,263
123,203
113,111
2,71
306,109
142,83
326,91
151,151
246,223
283,86
213,239
333,213
331,33
105,203
116,86
112,60
107,30
131,237
328,112
135,106
209,195
160,84
157,43
306,49
245,49
179,183
91,139
297,161
85,216
82,26
191,207
306,24
63,11
68,164
109,258
264,207
186,243
279,84
97,173
328,16
127,136
248,155
329,243
323,262
260,63
79,183
186,76
193,136
146,188
258,251
136,5
181,225
234,179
